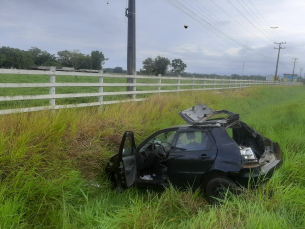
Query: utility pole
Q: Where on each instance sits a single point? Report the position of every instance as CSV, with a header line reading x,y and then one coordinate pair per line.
x,y
278,57
131,41
300,74
242,73
295,61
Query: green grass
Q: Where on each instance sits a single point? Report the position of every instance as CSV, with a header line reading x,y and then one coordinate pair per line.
x,y
17,78
52,164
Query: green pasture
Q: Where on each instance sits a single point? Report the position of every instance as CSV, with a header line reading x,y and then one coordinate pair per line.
x,y
52,165
17,78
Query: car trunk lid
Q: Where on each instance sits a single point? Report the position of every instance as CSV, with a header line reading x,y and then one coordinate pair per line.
x,y
201,113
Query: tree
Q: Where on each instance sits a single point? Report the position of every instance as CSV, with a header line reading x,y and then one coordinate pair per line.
x,y
11,57
118,70
161,65
157,66
178,66
148,66
35,51
98,59
73,59
2,59
64,57
43,58
78,59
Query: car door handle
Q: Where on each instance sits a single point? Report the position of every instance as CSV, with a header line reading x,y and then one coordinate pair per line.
x,y
204,157
130,166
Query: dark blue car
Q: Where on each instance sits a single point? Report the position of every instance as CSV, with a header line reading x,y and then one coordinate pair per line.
x,y
215,151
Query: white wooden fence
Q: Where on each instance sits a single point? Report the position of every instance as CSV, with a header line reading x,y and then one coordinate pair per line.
x,y
204,83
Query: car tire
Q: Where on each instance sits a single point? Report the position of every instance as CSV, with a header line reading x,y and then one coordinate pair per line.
x,y
217,188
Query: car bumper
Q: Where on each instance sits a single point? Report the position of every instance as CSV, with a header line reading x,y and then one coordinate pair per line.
x,y
251,177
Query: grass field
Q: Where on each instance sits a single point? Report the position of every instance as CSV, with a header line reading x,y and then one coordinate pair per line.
x,y
52,166
17,78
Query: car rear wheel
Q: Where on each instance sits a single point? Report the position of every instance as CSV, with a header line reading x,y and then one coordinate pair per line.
x,y
218,187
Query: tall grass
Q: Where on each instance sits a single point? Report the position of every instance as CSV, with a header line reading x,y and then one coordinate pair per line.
x,y
51,166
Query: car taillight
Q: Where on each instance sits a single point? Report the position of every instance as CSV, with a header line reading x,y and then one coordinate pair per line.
x,y
248,157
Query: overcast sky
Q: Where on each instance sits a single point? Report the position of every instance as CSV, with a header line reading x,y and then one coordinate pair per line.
x,y
222,35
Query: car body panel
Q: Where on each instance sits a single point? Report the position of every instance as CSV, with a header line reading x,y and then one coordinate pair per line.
x,y
228,157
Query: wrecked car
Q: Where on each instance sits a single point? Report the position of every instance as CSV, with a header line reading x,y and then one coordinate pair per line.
x,y
213,152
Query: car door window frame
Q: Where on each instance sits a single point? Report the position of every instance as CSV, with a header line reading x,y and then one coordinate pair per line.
x,y
157,133
208,134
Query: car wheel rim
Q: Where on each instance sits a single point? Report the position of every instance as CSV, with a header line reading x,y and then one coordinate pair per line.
x,y
219,191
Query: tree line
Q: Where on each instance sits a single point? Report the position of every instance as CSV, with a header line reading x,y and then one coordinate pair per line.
x,y
160,65
21,59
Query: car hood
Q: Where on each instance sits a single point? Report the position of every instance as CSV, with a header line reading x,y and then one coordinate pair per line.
x,y
201,114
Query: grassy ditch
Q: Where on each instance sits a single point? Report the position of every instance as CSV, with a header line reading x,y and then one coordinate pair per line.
x,y
51,166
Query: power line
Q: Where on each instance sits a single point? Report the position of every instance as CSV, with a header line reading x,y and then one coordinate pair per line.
x,y
239,23
259,23
273,31
247,18
195,19
216,18
181,7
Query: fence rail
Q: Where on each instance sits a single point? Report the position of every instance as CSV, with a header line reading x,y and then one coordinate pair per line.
x,y
199,83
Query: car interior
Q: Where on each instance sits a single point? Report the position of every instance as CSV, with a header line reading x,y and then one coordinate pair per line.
x,y
152,157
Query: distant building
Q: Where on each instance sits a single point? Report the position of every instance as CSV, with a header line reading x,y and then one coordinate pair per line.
x,y
269,77
290,77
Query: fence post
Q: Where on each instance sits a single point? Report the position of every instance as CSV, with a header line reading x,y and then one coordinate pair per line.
x,y
240,83
222,82
214,82
134,88
235,83
193,82
159,82
101,89
52,89
203,86
178,87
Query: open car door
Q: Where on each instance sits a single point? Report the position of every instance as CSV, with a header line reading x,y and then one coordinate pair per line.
x,y
126,171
